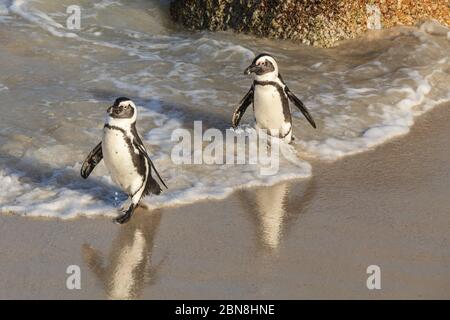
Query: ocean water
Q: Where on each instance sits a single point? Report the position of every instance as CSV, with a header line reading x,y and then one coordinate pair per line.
x,y
56,84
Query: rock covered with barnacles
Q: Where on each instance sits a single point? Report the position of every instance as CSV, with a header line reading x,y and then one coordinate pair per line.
x,y
315,22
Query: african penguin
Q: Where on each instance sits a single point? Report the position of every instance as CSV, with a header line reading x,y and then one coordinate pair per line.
x,y
125,156
270,98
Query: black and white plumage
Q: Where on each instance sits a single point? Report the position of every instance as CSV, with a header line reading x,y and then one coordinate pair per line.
x,y
125,156
270,98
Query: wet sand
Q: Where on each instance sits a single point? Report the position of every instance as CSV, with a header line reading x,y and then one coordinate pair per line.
x,y
299,240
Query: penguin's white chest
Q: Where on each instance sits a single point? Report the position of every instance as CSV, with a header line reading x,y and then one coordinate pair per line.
x,y
268,108
118,158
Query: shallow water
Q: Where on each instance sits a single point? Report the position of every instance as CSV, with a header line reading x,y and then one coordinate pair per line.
x,y
56,84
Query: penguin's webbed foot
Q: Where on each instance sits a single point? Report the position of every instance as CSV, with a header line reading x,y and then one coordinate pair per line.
x,y
126,216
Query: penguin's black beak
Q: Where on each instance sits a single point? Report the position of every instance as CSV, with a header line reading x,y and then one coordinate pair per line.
x,y
252,69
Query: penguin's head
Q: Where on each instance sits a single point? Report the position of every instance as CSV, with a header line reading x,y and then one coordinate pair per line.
x,y
123,108
264,67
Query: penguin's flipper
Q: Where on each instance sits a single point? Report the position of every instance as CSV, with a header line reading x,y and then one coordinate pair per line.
x,y
157,173
299,104
243,105
140,145
91,161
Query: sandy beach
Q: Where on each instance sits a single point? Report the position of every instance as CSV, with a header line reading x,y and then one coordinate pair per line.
x,y
299,240
364,185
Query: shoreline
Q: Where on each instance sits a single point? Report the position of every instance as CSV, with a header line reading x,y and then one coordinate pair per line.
x,y
316,163
294,240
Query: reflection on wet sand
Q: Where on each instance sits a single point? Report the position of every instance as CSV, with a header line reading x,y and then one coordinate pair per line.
x,y
270,210
270,206
128,267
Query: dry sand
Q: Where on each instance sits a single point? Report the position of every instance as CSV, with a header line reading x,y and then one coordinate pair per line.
x,y
313,239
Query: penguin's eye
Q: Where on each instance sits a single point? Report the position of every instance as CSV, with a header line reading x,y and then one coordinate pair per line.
x,y
127,106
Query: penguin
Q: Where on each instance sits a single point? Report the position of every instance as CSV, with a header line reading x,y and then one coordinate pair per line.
x,y
125,156
270,98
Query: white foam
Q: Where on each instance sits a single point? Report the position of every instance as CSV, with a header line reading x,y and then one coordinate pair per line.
x,y
65,195
395,121
45,199
106,3
390,120
41,19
